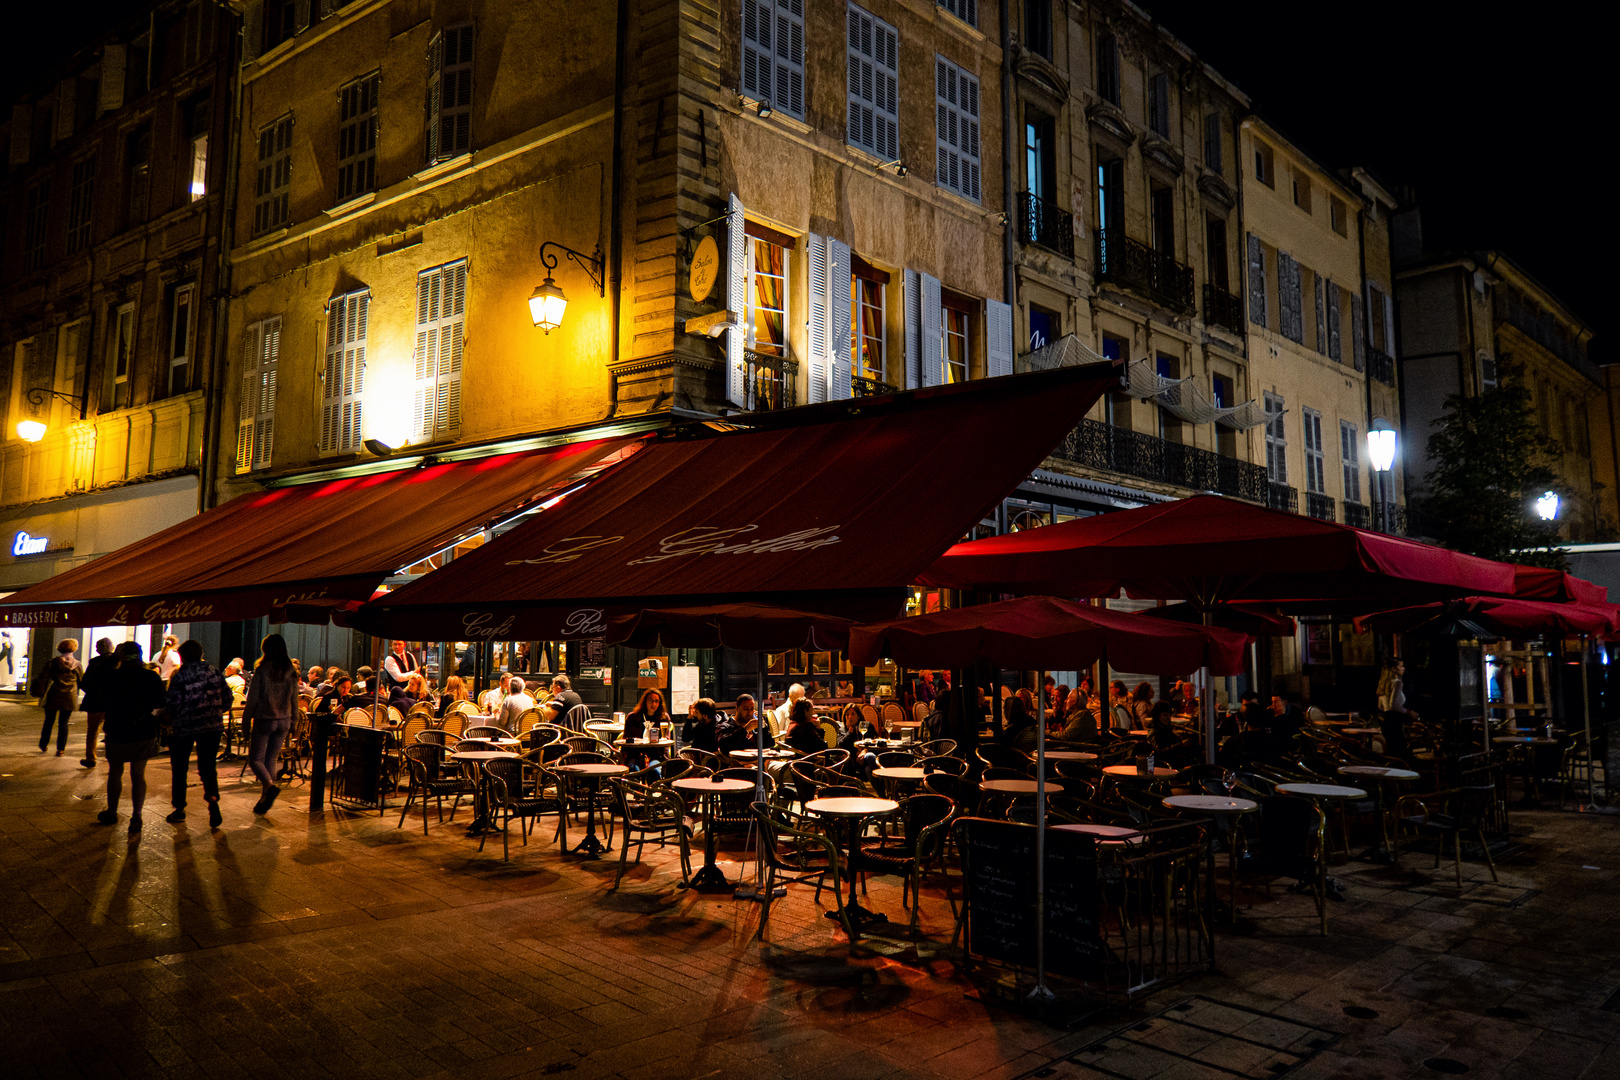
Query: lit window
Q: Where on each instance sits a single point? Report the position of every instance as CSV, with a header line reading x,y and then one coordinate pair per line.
x,y
957,332
867,313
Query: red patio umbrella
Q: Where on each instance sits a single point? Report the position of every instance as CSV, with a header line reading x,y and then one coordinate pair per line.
x,y
1541,583
1251,619
1498,615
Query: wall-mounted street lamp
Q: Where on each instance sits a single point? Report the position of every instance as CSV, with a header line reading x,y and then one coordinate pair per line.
x,y
34,430
1381,441
1547,506
548,303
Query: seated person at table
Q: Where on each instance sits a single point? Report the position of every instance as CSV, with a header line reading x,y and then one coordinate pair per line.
x,y
845,689
784,712
562,700
649,710
738,732
454,690
358,698
1018,731
516,704
490,700
1164,734
362,679
333,691
1078,723
407,696
803,733
1142,703
1285,722
699,732
1249,745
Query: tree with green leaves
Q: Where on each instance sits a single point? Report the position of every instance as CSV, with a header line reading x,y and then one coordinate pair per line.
x,y
1491,463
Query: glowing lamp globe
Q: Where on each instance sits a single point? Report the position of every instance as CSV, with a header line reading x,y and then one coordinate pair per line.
x,y
1547,506
1381,449
547,304
30,430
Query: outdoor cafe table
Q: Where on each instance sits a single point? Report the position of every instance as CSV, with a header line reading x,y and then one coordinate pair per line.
x,y
1131,770
1070,755
769,755
901,774
480,820
1320,792
1215,804
1380,772
708,789
1361,731
591,847
854,809
1019,787
1105,834
639,750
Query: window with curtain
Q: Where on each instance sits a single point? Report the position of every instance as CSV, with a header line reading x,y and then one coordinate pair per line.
x,y
767,297
867,333
1276,440
958,330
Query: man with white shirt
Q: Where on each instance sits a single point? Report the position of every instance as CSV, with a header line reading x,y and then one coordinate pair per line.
x,y
489,702
397,667
168,657
779,717
516,704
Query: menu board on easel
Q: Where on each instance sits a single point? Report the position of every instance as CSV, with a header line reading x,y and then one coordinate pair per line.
x,y
683,688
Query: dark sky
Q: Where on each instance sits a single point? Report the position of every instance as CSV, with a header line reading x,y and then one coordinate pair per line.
x,y
1497,121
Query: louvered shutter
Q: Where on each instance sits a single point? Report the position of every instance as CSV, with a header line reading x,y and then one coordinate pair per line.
x,y
790,57
342,396
773,53
998,338
1321,317
247,409
966,10
1257,282
956,129
441,308
820,323
737,302
1289,299
758,70
1358,346
914,330
839,330
874,85
264,420
110,93
933,360
1389,324
1335,348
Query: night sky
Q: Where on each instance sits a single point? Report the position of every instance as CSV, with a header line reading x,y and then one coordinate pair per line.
x,y
1491,117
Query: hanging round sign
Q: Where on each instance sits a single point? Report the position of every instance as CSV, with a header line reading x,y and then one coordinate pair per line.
x,y
705,269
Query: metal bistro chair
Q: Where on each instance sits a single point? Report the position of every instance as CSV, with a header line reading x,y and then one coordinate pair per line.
x,y
507,799
794,855
1455,812
428,779
1287,838
926,822
655,812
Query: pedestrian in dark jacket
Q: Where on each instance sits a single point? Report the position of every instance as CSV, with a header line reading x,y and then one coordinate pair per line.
x,y
61,694
92,682
135,693
197,700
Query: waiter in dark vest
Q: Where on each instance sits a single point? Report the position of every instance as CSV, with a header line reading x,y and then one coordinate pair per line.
x,y
397,667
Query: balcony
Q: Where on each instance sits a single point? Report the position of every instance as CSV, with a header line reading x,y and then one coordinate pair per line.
x,y
770,381
1389,517
1046,224
1381,366
1356,515
1282,497
1222,309
1131,264
1103,446
860,386
1321,507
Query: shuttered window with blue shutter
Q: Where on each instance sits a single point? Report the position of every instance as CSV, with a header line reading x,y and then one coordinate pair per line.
x,y
874,85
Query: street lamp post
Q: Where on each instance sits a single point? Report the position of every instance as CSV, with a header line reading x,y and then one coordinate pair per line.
x,y
1382,440
548,303
34,430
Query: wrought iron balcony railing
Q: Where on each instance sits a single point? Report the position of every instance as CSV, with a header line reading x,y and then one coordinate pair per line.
x,y
771,380
1357,515
1046,224
1389,517
1381,366
860,386
1103,446
1321,507
1223,309
1282,497
1135,265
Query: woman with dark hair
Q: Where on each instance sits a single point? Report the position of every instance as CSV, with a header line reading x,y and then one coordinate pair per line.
x,y
1142,701
803,733
1164,734
1019,731
649,710
272,697
699,731
60,694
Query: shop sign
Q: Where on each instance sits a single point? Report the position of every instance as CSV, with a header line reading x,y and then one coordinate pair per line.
x,y
705,269
24,544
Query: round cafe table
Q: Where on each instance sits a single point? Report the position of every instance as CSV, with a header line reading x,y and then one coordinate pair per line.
x,y
1070,755
591,847
901,774
1212,805
769,755
854,809
1019,787
639,751
1131,770
1322,792
708,789
1361,731
1105,834
480,820
1380,773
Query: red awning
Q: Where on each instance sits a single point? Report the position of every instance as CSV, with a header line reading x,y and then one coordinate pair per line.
x,y
830,509
750,627
305,546
1039,632
1506,617
1540,583
1210,550
1251,619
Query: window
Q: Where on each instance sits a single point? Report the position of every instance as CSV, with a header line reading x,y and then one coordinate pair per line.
x,y
1276,440
1162,210
1045,326
766,298
1159,104
956,128
1291,316
120,354
1225,398
1110,196
72,367
357,137
1315,478
280,22
1257,282
256,412
1263,168
197,123
868,323
449,96
137,173
874,85
1215,253
1168,367
1375,303
1118,403
198,33
343,378
956,320
36,214
966,10
1038,27
1487,369
773,53
1337,215
273,182
1350,460
182,335
1212,142
81,204
441,316
1321,317
1302,190
1040,154
1108,68
1335,347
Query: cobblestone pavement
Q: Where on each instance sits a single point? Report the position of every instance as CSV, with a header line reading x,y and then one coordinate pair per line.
x,y
337,944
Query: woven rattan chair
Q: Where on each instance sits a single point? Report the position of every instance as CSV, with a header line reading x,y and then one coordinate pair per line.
x,y
926,821
506,799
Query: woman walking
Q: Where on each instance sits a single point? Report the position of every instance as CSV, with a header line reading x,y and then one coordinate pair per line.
x,y
135,693
271,698
61,696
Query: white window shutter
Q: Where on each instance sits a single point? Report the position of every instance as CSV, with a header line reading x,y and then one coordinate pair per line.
x,y
441,311
425,367
840,341
998,344
1389,324
264,426
247,409
736,302
342,396
110,92
933,354
914,329
820,323
874,85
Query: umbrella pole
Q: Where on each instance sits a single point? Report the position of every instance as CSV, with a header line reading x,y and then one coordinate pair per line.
x,y
757,890
1586,706
1206,700
1040,995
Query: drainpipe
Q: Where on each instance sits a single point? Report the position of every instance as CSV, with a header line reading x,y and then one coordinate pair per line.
x,y
616,189
1009,246
213,417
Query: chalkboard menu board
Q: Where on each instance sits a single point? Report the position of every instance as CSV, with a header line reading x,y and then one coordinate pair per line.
x,y
359,777
593,651
999,858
